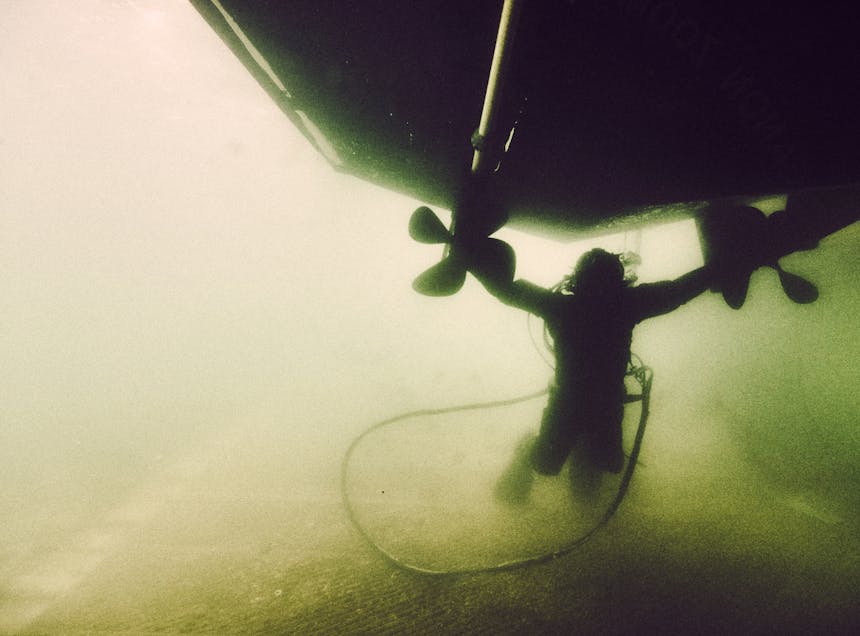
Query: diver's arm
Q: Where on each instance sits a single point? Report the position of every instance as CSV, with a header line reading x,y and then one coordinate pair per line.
x,y
494,264
655,299
518,293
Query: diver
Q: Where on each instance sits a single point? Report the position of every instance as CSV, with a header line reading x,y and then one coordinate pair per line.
x,y
590,318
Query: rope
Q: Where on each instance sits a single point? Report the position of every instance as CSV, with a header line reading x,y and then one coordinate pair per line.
x,y
546,342
642,374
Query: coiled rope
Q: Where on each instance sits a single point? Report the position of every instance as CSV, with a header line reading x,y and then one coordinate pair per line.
x,y
644,377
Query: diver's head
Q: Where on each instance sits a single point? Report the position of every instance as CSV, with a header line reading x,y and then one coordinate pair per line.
x,y
598,271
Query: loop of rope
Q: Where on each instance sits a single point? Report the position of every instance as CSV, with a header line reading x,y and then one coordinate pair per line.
x,y
643,375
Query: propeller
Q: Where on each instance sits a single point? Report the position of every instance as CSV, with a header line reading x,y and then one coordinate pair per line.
x,y
476,212
738,240
477,252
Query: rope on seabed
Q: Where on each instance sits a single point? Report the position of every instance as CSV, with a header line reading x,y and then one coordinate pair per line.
x,y
643,375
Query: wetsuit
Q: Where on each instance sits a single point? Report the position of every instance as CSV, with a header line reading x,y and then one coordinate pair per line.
x,y
592,337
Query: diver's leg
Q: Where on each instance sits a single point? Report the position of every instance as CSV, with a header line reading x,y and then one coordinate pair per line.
x,y
605,438
515,484
555,440
534,453
584,476
544,454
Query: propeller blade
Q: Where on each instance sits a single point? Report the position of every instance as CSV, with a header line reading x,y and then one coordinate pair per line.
x,y
425,227
443,279
796,287
735,291
496,258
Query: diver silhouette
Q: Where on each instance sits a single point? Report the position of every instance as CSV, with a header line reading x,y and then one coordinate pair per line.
x,y
590,318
